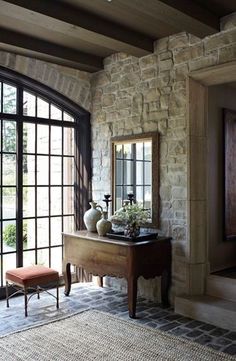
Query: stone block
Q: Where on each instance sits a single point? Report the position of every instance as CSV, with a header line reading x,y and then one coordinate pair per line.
x,y
179,233
164,101
179,40
108,100
148,61
100,78
204,62
165,65
149,73
219,40
151,95
165,55
179,193
129,80
165,192
161,45
228,22
185,54
227,53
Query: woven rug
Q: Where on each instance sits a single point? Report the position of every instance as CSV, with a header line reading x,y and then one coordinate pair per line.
x,y
94,335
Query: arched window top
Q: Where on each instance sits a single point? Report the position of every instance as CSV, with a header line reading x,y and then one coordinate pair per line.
x,y
36,95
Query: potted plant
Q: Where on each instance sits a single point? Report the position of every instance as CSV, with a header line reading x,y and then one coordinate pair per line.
x,y
131,216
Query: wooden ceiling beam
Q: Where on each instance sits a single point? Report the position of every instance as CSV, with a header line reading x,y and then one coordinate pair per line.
x,y
195,10
86,20
83,61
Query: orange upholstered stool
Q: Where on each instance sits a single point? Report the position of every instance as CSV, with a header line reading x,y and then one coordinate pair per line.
x,y
32,277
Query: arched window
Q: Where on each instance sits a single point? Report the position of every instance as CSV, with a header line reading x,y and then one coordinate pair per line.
x,y
44,172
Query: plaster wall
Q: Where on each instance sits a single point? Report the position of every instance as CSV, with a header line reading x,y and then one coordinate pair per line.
x,y
221,253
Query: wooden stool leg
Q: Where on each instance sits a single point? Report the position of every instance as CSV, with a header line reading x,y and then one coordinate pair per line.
x,y
26,301
58,294
7,294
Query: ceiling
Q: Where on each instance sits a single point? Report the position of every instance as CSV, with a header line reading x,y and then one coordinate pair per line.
x,y
80,33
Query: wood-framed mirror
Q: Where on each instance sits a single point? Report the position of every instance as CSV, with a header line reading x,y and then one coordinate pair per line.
x,y
135,170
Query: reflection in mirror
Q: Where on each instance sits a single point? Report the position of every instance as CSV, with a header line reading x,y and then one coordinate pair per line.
x,y
135,170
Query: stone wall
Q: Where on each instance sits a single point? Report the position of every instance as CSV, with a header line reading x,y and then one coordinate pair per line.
x,y
72,83
132,96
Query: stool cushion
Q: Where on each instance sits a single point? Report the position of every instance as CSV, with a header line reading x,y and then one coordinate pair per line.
x,y
32,275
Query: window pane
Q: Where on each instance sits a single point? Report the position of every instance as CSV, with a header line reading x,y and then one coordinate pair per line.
x,y
9,203
139,195
9,236
29,138
28,169
139,173
128,172
68,117
29,103
139,151
128,154
118,198
42,170
147,198
29,258
42,139
68,200
148,150
28,202
9,99
56,229
68,224
43,257
56,113
42,232
55,201
147,172
68,171
42,108
119,172
29,233
56,170
119,151
9,136
68,141
9,262
42,201
56,259
9,169
56,140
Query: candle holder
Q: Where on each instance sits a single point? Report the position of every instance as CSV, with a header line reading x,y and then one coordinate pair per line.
x,y
130,198
107,200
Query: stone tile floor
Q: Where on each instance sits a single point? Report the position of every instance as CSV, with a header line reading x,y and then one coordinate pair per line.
x,y
87,295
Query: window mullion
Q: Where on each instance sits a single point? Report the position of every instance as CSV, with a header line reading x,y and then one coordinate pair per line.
x,y
19,180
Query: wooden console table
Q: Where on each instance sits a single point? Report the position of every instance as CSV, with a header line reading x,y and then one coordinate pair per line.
x,y
102,256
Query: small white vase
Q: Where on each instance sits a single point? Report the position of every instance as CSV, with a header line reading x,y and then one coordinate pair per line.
x,y
92,216
103,225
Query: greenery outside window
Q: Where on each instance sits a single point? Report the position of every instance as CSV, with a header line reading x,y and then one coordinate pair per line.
x,y
135,171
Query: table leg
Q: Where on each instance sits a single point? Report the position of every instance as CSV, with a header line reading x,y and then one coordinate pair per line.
x,y
132,296
165,284
100,281
67,278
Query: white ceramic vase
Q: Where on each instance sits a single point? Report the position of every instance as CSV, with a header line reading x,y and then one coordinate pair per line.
x,y
92,216
103,225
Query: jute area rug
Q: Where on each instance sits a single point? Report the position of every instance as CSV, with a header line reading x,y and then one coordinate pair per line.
x,y
94,335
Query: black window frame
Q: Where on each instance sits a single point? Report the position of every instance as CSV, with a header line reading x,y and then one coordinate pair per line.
x,y
82,147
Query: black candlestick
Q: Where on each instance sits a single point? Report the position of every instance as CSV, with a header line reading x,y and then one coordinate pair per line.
x,y
107,200
131,198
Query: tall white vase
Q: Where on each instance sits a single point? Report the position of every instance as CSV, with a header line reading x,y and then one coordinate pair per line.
x,y
92,216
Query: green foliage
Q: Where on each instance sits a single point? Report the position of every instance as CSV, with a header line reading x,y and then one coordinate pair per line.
x,y
133,215
9,234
